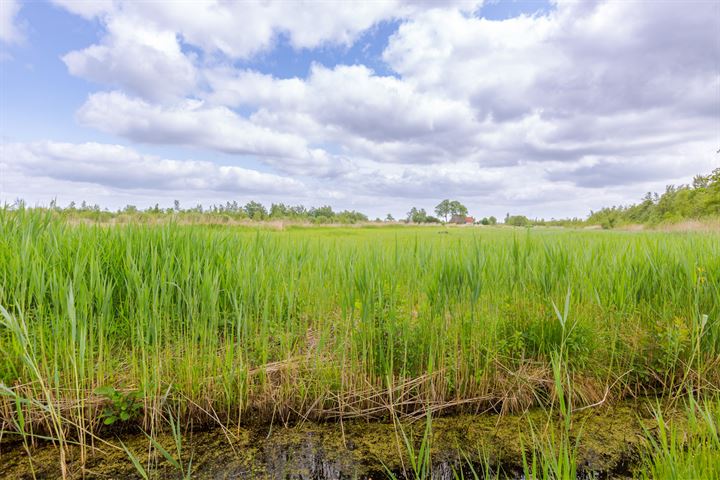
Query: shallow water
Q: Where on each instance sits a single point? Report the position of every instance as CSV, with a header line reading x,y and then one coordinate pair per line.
x,y
609,442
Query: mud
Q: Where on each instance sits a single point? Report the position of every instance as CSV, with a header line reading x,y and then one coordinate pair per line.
x,y
609,441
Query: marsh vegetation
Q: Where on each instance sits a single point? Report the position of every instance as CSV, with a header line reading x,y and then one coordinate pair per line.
x,y
161,330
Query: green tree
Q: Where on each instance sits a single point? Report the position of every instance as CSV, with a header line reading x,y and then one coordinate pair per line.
x,y
700,199
417,215
517,221
325,211
278,210
443,209
457,208
255,210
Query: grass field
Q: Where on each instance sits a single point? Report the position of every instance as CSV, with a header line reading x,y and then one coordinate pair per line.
x,y
106,326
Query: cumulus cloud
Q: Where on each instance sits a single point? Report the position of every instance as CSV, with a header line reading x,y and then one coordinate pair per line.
x,y
242,29
116,166
601,56
10,31
590,78
87,9
591,100
433,181
348,102
138,57
194,124
678,160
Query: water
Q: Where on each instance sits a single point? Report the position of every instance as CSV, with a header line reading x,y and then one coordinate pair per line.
x,y
609,442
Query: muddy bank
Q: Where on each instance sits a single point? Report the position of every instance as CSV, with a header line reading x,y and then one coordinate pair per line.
x,y
609,444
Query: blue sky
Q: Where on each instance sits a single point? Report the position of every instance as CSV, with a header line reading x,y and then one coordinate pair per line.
x,y
542,108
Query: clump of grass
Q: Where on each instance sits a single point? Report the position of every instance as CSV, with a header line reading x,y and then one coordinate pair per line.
x,y
688,451
418,453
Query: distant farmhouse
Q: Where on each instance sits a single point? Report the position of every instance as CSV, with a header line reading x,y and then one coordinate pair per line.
x,y
462,220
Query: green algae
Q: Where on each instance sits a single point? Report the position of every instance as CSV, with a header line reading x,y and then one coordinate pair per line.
x,y
609,443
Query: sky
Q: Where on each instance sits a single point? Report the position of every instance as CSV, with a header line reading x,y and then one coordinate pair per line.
x,y
542,108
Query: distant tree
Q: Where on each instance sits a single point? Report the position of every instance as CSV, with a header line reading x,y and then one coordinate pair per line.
x,y
443,209
225,212
700,199
517,221
457,208
411,214
347,216
701,181
298,211
324,211
278,210
485,221
255,210
492,220
389,218
417,215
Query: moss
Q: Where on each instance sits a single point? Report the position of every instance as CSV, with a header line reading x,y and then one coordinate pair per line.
x,y
609,441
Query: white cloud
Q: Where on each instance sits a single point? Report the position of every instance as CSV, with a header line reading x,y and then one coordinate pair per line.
x,y
348,100
593,102
599,57
243,29
87,9
137,56
119,167
10,31
192,123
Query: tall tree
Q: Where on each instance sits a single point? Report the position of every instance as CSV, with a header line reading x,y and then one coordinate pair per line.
x,y
417,215
443,209
255,210
457,208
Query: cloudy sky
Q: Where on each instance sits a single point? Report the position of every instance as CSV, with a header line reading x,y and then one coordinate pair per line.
x,y
544,108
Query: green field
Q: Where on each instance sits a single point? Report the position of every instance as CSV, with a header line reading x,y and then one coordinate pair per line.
x,y
105,326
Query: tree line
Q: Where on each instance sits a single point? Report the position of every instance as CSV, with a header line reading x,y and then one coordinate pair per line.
x,y
698,200
252,210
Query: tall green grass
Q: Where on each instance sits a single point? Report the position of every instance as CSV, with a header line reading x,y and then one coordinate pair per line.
x,y
231,324
689,450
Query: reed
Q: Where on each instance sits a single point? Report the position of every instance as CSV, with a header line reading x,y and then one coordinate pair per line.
x,y
228,325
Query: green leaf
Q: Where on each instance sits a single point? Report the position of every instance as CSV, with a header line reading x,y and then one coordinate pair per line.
x,y
105,391
124,416
110,420
136,462
164,452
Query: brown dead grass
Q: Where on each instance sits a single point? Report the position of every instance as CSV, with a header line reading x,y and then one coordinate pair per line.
x,y
705,225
